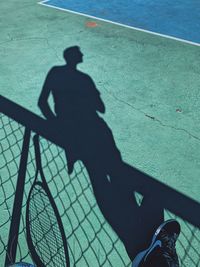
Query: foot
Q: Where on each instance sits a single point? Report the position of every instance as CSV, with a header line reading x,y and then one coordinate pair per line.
x,y
21,264
162,247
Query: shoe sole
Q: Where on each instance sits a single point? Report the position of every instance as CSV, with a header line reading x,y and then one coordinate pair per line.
x,y
154,243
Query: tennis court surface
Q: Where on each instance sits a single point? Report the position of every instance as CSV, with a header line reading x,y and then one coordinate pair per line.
x,y
143,60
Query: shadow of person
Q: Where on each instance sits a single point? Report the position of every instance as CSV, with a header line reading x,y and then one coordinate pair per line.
x,y
87,137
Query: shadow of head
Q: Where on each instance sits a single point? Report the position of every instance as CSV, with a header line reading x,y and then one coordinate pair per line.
x,y
73,55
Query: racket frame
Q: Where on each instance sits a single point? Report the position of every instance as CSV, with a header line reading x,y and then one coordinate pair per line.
x,y
44,186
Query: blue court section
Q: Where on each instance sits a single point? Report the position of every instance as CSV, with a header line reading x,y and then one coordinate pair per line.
x,y
180,18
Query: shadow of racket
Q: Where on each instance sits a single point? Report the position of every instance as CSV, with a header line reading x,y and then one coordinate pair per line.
x,y
45,233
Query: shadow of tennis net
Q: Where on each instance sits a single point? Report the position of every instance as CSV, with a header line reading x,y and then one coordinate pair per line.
x,y
91,241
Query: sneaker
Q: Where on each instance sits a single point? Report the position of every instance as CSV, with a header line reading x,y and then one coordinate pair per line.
x,y
21,264
163,243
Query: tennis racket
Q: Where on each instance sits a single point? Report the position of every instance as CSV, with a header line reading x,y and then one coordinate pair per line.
x,y
45,233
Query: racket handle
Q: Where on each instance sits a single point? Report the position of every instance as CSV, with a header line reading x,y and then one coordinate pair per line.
x,y
37,151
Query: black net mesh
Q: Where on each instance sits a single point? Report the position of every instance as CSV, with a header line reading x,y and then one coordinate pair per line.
x,y
91,240
11,138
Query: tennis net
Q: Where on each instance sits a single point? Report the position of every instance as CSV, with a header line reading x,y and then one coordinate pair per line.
x,y
91,240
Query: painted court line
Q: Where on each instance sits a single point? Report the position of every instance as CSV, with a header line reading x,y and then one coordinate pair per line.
x,y
44,3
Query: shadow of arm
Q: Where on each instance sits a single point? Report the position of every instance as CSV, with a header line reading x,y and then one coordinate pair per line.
x,y
43,98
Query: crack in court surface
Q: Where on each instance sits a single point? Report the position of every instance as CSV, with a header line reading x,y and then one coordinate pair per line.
x,y
153,117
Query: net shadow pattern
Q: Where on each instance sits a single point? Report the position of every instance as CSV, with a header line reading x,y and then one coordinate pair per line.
x,y
11,138
91,240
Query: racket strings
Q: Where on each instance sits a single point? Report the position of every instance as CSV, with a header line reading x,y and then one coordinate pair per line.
x,y
48,251
44,229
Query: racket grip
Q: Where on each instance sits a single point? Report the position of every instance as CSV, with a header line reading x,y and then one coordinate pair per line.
x,y
37,151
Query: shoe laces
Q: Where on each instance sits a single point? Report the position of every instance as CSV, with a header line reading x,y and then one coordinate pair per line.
x,y
169,246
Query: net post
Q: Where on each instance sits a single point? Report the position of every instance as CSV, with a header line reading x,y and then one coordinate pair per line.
x,y
16,213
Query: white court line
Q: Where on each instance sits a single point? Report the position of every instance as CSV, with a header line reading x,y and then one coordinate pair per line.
x,y
44,3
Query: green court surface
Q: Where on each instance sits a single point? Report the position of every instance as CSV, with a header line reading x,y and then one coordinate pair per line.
x,y
150,88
